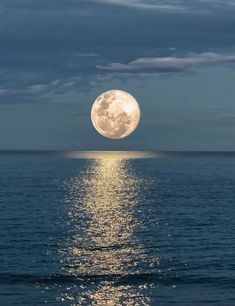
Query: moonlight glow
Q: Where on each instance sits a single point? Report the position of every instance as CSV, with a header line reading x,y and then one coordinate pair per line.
x,y
115,114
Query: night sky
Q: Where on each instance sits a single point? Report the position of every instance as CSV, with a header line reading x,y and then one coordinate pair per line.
x,y
176,57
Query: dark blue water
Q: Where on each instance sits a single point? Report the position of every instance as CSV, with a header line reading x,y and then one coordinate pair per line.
x,y
117,229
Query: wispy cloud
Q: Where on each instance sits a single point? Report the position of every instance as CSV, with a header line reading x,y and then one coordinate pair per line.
x,y
169,64
186,6
38,89
98,46
140,4
81,5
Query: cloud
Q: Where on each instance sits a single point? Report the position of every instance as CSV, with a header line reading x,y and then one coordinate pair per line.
x,y
30,93
74,55
140,4
169,64
36,85
193,6
85,7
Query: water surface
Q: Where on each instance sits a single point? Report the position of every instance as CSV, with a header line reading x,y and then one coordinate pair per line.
x,y
117,228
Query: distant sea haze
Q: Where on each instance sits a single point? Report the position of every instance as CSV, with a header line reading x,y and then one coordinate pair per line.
x,y
117,228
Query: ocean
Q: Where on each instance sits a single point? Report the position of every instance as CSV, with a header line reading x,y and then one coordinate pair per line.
x,y
117,228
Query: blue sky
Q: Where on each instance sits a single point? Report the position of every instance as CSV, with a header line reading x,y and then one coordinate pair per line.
x,y
176,57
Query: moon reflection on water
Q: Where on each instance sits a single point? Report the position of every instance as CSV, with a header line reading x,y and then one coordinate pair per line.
x,y
103,246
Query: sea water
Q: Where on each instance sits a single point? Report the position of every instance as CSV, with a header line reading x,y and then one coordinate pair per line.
x,y
117,228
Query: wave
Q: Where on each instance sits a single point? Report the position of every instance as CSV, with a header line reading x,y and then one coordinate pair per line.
x,y
156,278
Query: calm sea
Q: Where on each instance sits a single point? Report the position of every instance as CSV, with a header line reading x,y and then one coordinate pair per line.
x,y
117,228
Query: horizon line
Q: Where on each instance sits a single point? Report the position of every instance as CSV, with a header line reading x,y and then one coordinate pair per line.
x,y
70,150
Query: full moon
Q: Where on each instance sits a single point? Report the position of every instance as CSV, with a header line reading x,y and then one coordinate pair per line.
x,y
115,114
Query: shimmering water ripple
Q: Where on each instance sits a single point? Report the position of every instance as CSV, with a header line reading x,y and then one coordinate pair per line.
x,y
106,244
116,229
